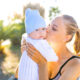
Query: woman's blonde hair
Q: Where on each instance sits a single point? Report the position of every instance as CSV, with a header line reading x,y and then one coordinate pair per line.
x,y
72,29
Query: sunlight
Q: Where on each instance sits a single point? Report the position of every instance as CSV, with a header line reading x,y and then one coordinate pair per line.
x,y
8,7
6,42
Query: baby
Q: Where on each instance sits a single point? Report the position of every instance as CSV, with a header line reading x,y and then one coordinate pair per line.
x,y
36,30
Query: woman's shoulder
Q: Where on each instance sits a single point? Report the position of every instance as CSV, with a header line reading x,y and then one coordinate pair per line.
x,y
75,61
72,64
71,69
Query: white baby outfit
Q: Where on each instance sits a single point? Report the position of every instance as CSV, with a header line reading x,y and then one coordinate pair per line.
x,y
28,69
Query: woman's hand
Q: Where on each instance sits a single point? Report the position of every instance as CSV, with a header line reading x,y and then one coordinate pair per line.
x,y
23,46
35,55
40,60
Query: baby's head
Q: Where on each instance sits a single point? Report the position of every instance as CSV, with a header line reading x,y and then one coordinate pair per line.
x,y
38,33
35,24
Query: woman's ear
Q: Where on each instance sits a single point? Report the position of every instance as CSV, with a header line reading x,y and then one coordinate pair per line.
x,y
68,38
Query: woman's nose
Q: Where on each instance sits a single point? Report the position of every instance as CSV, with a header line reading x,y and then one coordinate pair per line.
x,y
47,30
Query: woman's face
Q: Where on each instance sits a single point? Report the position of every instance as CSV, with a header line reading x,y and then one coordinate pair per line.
x,y
56,31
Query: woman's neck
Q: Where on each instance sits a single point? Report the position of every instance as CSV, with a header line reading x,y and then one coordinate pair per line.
x,y
63,55
62,52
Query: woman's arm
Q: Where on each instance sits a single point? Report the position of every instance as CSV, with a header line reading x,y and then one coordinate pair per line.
x,y
72,72
43,72
16,73
40,60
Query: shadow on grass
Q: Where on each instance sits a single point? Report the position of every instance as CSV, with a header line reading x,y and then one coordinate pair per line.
x,y
2,75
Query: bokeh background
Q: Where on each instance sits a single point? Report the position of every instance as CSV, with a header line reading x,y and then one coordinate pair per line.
x,y
12,26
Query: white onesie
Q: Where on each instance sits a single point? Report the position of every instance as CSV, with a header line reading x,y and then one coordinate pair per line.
x,y
28,69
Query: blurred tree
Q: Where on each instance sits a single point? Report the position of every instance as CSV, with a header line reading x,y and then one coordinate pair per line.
x,y
2,36
1,47
17,16
16,33
12,31
54,11
15,29
34,6
1,30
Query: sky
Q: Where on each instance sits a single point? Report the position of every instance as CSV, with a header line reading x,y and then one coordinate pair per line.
x,y
70,7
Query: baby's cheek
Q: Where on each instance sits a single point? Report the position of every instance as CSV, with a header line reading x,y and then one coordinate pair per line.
x,y
44,35
38,36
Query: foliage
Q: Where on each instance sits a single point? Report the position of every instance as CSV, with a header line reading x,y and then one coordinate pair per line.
x,y
34,6
1,47
13,32
1,30
16,33
54,11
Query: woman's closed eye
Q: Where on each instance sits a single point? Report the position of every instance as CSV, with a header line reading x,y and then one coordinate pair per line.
x,y
54,27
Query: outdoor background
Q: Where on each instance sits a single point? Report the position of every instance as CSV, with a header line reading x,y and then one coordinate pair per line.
x,y
12,26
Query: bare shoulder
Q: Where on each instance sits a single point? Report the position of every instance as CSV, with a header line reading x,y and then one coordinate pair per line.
x,y
71,70
73,64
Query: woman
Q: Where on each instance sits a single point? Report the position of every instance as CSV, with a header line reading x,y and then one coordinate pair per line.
x,y
59,33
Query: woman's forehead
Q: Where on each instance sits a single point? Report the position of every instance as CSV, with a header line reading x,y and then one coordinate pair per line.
x,y
57,20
